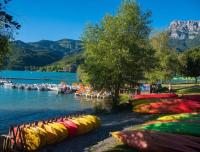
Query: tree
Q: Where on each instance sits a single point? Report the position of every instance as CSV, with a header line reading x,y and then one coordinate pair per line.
x,y
7,26
190,63
166,63
117,50
3,49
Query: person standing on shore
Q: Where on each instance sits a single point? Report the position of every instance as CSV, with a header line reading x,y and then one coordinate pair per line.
x,y
170,88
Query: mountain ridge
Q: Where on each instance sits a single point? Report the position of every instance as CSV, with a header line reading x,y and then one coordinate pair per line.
x,y
41,53
181,30
47,53
184,34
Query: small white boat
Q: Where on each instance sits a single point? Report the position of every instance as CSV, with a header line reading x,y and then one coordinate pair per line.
x,y
34,87
53,87
21,86
3,81
28,87
8,84
42,88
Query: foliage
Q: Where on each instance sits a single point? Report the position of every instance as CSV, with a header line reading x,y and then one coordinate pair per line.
x,y
125,98
7,26
3,49
67,63
31,56
166,64
117,50
182,45
190,63
7,23
83,75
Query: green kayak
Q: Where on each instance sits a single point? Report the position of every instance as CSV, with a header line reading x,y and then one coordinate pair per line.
x,y
185,128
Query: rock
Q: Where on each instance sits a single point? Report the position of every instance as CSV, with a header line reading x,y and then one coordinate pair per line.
x,y
182,30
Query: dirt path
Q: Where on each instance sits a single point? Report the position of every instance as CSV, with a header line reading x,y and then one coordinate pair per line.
x,y
112,122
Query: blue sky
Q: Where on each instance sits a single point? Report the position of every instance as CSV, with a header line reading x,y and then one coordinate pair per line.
x,y
58,19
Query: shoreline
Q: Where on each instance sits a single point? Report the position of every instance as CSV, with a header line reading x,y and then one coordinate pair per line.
x,y
4,130
110,122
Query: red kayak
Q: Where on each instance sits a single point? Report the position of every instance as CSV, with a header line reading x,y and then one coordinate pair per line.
x,y
168,107
191,97
154,95
153,141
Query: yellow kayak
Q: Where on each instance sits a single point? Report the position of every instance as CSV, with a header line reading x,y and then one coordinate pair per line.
x,y
60,129
88,125
81,125
182,116
51,134
94,120
31,139
43,136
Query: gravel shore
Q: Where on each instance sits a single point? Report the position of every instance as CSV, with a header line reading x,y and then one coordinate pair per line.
x,y
99,140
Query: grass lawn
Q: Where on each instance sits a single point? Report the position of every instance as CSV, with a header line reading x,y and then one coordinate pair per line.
x,y
180,86
189,90
185,88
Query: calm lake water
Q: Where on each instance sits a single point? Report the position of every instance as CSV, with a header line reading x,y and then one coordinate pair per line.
x,y
19,106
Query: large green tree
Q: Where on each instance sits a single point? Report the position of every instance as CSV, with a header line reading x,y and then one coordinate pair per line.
x,y
190,63
7,26
117,50
166,59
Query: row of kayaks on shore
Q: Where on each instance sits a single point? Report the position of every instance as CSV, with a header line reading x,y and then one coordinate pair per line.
x,y
37,135
169,133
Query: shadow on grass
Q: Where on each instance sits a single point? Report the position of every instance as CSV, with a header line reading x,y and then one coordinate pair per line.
x,y
188,90
122,148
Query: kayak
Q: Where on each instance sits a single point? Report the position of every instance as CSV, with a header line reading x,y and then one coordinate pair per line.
x,y
71,127
169,107
185,128
158,141
191,97
155,95
31,139
39,134
182,116
51,134
61,131
82,126
43,135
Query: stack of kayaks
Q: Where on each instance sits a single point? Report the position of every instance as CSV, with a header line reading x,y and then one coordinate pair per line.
x,y
155,95
178,132
169,106
191,97
34,136
152,141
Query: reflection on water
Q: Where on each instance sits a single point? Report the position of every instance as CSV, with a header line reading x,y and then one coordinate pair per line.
x,y
14,99
98,105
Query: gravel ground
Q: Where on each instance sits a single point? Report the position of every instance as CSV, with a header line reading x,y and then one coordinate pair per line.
x,y
99,140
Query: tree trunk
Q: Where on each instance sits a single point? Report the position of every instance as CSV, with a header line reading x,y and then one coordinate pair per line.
x,y
115,98
196,80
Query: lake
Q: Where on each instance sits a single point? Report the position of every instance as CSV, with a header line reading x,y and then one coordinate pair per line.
x,y
20,106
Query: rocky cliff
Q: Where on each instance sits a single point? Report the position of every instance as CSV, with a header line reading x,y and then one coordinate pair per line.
x,y
182,30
